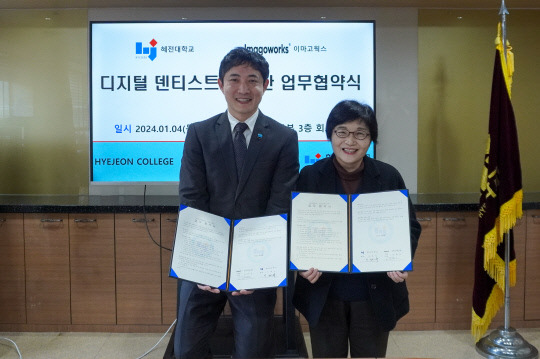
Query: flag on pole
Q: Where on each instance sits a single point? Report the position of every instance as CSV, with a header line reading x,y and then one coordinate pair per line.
x,y
501,197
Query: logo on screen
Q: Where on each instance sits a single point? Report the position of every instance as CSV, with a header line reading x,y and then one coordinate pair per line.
x,y
151,51
308,160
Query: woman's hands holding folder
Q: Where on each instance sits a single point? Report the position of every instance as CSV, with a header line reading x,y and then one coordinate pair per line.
x,y
398,277
312,275
242,292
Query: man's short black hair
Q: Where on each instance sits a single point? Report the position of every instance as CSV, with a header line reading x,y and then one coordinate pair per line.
x,y
350,110
242,56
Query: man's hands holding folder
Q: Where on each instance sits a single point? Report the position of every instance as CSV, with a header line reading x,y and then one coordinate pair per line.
x,y
216,291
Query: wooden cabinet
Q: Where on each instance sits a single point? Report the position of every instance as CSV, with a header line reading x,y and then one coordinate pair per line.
x,y
12,281
421,281
46,247
138,269
93,287
532,278
104,272
168,284
456,246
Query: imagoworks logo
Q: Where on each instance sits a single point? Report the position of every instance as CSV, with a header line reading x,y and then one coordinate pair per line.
x,y
150,51
263,50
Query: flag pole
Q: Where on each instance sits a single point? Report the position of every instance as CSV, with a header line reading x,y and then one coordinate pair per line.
x,y
508,235
505,342
503,12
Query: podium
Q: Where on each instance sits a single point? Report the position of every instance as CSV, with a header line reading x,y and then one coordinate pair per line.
x,y
288,331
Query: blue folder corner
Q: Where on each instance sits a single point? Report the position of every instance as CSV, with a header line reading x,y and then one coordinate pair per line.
x,y
172,273
223,286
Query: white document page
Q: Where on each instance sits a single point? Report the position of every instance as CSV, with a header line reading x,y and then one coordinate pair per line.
x,y
259,254
381,238
201,247
319,232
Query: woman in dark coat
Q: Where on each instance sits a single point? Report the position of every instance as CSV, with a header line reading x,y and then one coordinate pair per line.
x,y
356,310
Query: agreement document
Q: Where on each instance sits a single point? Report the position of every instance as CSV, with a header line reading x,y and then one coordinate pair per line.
x,y
368,232
230,254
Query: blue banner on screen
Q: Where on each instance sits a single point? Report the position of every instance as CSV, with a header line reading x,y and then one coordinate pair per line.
x,y
151,80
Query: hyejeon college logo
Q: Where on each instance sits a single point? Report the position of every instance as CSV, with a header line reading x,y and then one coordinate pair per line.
x,y
150,51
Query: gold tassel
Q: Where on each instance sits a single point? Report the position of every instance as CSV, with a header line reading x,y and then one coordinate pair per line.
x,y
507,63
481,324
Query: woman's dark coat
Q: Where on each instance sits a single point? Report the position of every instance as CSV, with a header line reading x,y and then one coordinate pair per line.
x,y
390,300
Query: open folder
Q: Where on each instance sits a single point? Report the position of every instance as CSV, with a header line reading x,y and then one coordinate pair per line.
x,y
230,254
367,232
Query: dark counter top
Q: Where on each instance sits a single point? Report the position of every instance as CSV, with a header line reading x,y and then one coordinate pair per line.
x,y
87,204
164,204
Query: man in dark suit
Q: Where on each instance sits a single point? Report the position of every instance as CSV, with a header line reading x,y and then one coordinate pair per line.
x,y
220,176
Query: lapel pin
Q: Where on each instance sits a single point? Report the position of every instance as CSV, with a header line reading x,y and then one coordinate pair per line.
x,y
259,136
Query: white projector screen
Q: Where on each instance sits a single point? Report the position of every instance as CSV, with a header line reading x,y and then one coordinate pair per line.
x,y
150,80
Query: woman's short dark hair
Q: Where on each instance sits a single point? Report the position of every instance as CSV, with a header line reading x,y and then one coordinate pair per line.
x,y
350,110
242,56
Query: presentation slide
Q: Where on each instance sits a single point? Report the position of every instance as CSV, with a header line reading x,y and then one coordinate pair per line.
x,y
151,80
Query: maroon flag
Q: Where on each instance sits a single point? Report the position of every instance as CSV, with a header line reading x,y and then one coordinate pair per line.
x,y
501,197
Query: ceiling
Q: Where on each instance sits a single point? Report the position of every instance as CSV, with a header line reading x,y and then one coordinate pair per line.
x,y
425,4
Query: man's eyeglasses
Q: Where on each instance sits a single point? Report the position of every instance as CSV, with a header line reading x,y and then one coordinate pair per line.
x,y
359,135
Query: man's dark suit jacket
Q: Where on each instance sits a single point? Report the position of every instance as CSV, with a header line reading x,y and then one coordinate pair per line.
x,y
209,182
208,179
390,300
